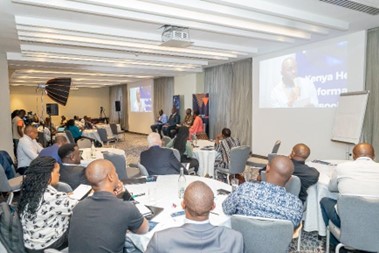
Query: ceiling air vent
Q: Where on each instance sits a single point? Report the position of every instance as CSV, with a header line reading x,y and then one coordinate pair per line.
x,y
354,6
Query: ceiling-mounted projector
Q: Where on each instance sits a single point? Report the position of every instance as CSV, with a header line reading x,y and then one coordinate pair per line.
x,y
175,36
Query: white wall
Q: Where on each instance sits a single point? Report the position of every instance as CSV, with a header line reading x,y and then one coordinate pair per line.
x,y
186,85
6,142
85,101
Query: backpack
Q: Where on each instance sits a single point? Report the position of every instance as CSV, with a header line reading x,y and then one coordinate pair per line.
x,y
11,235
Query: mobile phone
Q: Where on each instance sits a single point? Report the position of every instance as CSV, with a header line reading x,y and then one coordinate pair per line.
x,y
223,192
151,178
176,214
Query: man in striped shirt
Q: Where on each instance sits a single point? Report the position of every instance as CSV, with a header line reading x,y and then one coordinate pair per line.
x,y
223,144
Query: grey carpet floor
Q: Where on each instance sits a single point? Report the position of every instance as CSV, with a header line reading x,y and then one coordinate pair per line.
x,y
134,144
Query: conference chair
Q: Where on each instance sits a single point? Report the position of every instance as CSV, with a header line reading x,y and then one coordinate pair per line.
x,y
63,187
270,156
69,136
276,147
104,137
9,185
237,162
191,171
292,186
56,251
142,169
84,143
41,139
359,223
113,127
119,163
263,234
165,140
176,153
7,162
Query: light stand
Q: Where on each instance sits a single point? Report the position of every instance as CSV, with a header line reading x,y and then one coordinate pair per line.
x,y
103,113
51,133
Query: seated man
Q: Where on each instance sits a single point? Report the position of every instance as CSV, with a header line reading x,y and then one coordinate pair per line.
x,y
71,172
27,149
197,234
223,144
173,120
307,175
188,119
267,199
53,149
157,160
161,120
87,122
358,177
99,223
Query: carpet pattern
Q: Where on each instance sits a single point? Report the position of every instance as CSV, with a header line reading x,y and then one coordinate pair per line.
x,y
134,144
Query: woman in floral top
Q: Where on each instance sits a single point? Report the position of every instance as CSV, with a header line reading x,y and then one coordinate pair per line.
x,y
44,212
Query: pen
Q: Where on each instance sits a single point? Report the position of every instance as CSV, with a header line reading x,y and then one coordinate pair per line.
x,y
214,213
138,195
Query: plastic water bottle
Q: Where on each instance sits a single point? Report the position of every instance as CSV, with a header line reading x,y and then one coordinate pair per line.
x,y
93,151
194,139
181,183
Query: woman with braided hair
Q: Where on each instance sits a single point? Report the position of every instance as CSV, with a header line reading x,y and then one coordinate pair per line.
x,y
44,212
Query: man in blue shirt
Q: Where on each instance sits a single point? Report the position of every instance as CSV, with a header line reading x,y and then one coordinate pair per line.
x,y
53,149
267,199
161,120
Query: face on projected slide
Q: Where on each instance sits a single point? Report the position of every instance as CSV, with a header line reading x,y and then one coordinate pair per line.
x,y
138,104
293,91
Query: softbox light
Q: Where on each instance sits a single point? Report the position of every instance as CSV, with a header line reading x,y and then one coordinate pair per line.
x,y
58,89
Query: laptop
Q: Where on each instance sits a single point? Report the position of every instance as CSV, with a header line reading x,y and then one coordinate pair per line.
x,y
61,129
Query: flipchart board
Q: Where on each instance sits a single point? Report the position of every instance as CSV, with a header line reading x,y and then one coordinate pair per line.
x,y
350,113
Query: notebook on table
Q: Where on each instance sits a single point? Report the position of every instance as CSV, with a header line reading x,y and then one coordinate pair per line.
x,y
81,192
149,212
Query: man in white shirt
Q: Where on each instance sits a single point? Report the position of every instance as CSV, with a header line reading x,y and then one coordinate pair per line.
x,y
358,177
28,149
293,91
197,234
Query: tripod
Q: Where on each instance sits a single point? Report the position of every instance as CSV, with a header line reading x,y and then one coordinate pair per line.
x,y
102,113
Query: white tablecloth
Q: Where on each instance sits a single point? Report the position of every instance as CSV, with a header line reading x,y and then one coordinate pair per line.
x,y
92,133
313,219
164,193
86,154
206,158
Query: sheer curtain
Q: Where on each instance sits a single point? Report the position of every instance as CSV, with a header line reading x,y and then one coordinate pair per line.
x,y
371,122
163,92
118,93
230,92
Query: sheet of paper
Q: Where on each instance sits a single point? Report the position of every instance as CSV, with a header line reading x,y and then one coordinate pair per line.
x,y
81,191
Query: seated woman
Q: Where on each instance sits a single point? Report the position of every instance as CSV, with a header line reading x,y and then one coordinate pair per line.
x,y
75,131
197,126
181,143
44,212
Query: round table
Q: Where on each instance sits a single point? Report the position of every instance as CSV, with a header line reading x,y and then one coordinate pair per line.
x,y
164,193
206,156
